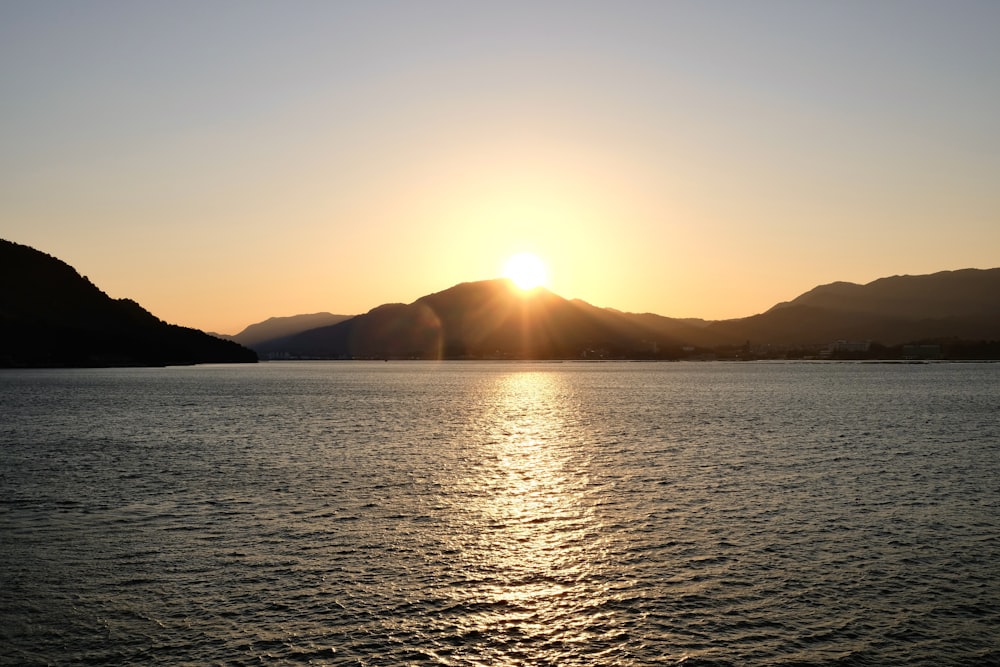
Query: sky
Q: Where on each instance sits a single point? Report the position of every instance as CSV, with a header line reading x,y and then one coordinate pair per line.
x,y
225,162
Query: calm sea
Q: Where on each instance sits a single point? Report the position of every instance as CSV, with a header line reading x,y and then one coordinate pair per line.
x,y
501,514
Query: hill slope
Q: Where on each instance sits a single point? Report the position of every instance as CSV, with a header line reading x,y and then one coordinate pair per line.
x,y
488,319
52,316
962,304
492,319
275,328
945,294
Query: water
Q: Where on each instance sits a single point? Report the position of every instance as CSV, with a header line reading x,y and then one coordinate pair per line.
x,y
501,514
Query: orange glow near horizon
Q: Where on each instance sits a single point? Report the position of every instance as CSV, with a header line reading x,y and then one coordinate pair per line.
x,y
661,160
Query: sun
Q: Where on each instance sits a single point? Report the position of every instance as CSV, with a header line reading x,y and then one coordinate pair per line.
x,y
526,270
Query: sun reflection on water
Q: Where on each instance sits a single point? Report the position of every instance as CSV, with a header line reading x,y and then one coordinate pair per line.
x,y
533,553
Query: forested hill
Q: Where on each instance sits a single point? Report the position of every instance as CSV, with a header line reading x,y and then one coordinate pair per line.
x,y
51,316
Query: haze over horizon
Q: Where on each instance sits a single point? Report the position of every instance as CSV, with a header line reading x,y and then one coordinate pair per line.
x,y
227,162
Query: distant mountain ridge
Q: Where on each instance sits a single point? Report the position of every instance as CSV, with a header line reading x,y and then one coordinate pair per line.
x,y
961,293
489,319
492,319
963,304
275,328
52,316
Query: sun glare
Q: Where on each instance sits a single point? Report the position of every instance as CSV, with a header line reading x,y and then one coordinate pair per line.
x,y
526,270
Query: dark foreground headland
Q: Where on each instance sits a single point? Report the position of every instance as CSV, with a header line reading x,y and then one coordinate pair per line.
x,y
51,316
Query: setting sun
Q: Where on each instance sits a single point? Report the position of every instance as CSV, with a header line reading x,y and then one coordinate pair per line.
x,y
526,270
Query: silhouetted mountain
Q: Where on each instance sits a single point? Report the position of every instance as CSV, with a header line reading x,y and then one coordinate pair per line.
x,y
963,293
276,328
51,316
961,304
493,319
490,319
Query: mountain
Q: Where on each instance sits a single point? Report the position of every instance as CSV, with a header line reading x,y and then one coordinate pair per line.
x,y
942,295
490,319
962,304
50,316
493,319
275,328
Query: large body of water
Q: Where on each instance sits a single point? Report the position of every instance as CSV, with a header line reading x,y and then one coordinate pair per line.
x,y
501,514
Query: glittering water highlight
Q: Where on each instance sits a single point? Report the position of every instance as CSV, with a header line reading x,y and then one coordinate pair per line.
x,y
501,514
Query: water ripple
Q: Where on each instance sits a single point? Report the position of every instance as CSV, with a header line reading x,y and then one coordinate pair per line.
x,y
501,514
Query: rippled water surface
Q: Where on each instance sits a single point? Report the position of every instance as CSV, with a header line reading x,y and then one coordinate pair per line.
x,y
501,514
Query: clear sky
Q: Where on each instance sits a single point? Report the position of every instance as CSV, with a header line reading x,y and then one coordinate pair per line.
x,y
227,161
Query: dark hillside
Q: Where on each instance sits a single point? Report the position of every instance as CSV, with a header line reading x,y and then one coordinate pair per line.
x,y
282,327
962,305
946,294
485,319
52,316
492,319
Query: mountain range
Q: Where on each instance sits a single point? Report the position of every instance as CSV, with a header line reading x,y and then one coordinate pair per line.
x,y
493,319
275,328
486,319
51,316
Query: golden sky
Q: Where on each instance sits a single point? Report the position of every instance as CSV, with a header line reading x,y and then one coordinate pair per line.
x,y
225,162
